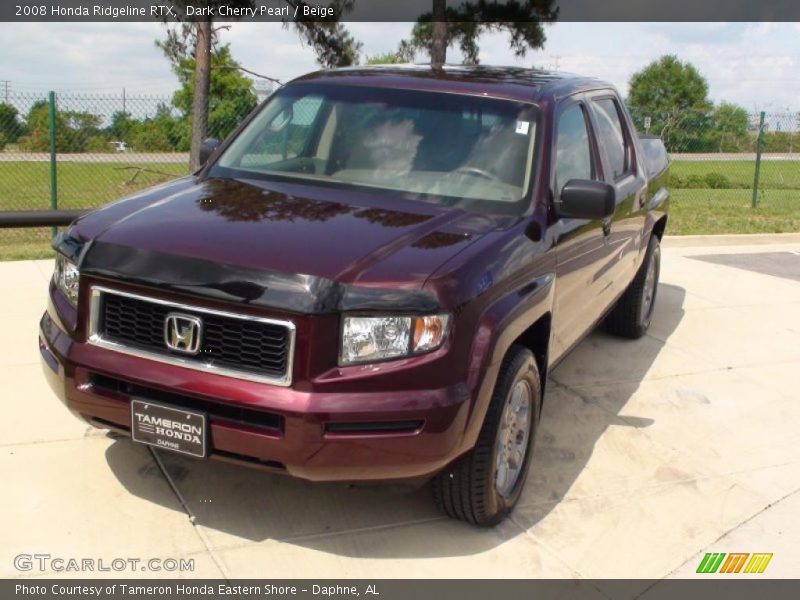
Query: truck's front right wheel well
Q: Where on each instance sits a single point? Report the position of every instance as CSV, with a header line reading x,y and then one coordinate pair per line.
x,y
537,339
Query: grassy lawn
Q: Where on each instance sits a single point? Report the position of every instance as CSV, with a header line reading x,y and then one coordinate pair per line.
x,y
23,244
780,174
703,211
26,185
710,211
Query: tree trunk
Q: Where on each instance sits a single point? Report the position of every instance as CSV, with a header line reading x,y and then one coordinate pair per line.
x,y
202,77
439,39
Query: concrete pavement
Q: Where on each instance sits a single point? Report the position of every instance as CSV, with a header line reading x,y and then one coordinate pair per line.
x,y
649,454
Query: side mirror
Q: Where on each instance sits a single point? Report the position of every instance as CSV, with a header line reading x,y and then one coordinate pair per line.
x,y
207,149
584,199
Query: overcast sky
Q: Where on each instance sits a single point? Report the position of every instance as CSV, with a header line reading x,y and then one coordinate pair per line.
x,y
755,65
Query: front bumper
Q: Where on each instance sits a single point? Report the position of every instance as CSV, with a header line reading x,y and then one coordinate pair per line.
x,y
388,436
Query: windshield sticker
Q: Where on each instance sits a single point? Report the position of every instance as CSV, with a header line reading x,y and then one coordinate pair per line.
x,y
522,127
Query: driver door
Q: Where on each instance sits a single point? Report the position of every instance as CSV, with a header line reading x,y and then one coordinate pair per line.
x,y
580,243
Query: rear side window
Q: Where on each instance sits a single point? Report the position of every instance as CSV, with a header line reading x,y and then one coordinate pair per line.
x,y
573,152
611,136
655,155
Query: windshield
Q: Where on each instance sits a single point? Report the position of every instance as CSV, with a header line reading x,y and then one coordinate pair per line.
x,y
472,152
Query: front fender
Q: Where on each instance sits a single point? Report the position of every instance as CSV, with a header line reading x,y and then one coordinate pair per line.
x,y
500,325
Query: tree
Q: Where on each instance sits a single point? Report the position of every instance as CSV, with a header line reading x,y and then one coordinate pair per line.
x,y
728,128
387,58
445,26
73,129
122,126
330,40
160,133
675,97
79,129
196,40
230,97
10,125
38,136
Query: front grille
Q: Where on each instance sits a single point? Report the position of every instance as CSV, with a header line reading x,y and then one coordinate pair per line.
x,y
229,343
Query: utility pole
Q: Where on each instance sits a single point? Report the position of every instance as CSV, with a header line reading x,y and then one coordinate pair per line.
x,y
124,111
5,84
759,148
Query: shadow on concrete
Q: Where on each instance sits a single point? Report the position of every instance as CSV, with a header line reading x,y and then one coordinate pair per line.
x,y
237,505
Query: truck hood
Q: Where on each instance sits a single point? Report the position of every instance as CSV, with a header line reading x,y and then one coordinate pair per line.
x,y
341,236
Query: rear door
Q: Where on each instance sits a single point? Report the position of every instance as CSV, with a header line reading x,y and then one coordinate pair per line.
x,y
622,169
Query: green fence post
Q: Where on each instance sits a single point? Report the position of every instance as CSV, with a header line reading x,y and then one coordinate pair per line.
x,y
51,100
759,144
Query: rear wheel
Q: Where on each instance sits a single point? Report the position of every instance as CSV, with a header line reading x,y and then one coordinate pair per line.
x,y
483,486
633,312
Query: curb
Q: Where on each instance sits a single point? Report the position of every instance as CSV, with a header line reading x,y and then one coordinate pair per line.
x,y
736,239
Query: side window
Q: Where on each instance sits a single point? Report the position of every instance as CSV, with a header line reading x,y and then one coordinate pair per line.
x,y
611,136
573,150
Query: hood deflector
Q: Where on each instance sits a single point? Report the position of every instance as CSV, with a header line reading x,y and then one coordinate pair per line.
x,y
305,294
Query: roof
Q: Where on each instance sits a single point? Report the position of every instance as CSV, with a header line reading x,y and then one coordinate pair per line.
x,y
513,83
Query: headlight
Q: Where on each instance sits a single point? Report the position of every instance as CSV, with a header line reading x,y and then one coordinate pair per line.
x,y
370,339
66,277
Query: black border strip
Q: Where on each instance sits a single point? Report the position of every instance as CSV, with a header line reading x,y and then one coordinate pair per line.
x,y
405,10
707,587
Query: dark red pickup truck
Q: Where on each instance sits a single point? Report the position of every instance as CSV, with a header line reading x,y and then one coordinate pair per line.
x,y
369,280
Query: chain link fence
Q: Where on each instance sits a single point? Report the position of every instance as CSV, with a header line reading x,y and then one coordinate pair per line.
x,y
731,171
73,151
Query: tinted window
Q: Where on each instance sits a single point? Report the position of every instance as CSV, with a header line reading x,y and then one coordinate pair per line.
x,y
655,155
573,152
611,137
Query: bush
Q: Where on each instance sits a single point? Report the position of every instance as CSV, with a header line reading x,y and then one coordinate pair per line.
x,y
29,143
717,181
3,141
150,136
97,143
675,181
695,181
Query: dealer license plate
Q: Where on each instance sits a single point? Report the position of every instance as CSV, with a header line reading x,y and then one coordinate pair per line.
x,y
170,428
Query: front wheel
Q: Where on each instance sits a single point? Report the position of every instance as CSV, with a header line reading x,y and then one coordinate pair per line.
x,y
633,312
483,486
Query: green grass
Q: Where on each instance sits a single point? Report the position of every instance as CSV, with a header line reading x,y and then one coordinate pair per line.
x,y
22,244
713,211
25,186
703,211
775,174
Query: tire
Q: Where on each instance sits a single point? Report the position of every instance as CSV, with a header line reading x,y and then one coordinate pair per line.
x,y
633,312
474,488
